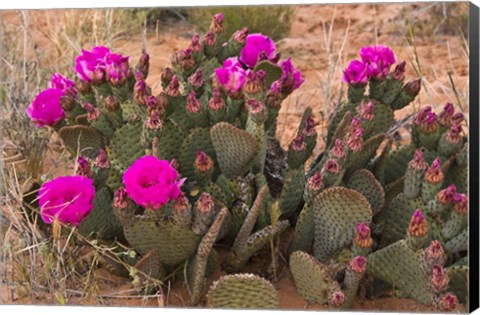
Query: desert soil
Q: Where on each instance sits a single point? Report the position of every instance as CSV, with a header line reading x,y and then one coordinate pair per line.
x,y
314,52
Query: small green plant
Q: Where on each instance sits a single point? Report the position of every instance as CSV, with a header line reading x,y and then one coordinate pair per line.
x,y
273,21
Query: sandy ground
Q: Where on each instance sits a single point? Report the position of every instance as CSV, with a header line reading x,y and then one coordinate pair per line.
x,y
314,44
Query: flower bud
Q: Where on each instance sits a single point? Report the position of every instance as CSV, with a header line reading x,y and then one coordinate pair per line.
x,y
101,161
434,254
418,162
217,23
355,140
461,203
196,79
299,144
216,102
448,302
439,279
457,118
143,64
240,36
257,110
309,130
166,76
92,112
173,89
338,150
203,162
112,103
193,104
363,238
412,88
205,203
358,264
446,196
331,166
255,82
366,110
195,44
426,120
154,122
399,72
434,173
273,99
445,117
418,224
337,298
84,87
140,92
83,167
120,198
315,182
210,39
454,135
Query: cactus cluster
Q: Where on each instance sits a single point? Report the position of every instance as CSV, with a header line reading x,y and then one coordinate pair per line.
x,y
198,163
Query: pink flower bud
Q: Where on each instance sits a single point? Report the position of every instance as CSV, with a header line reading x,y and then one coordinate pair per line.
x,y
83,167
448,302
309,130
112,103
331,166
434,253
434,173
166,76
446,115
216,102
193,104
446,196
203,162
173,89
205,203
338,150
355,140
254,82
93,113
217,23
210,39
366,110
412,88
120,198
461,203
454,134
418,162
418,225
154,122
358,264
337,298
240,36
101,161
399,72
299,144
196,79
457,118
315,182
195,44
254,106
363,238
439,279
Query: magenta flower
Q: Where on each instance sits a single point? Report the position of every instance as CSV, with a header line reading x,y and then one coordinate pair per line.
x,y
46,108
290,80
151,182
63,84
232,75
90,65
68,199
355,74
378,60
257,47
116,68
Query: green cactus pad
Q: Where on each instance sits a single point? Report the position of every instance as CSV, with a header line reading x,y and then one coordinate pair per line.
x,y
311,278
272,71
365,183
383,119
197,140
458,284
336,212
101,222
235,149
133,112
360,160
291,198
400,266
125,146
82,139
304,230
174,243
150,265
114,179
457,175
395,218
242,291
458,243
340,123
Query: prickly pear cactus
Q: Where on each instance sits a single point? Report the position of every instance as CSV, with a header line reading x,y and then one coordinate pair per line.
x,y
242,291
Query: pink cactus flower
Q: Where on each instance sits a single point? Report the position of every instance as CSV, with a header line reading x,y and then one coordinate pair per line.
x,y
68,199
151,182
290,80
355,74
46,109
116,68
63,84
378,60
231,76
257,47
90,65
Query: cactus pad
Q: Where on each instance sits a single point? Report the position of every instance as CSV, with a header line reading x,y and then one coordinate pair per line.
x,y
365,183
291,197
101,222
242,291
336,212
86,140
197,140
400,266
126,146
235,149
174,243
311,278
